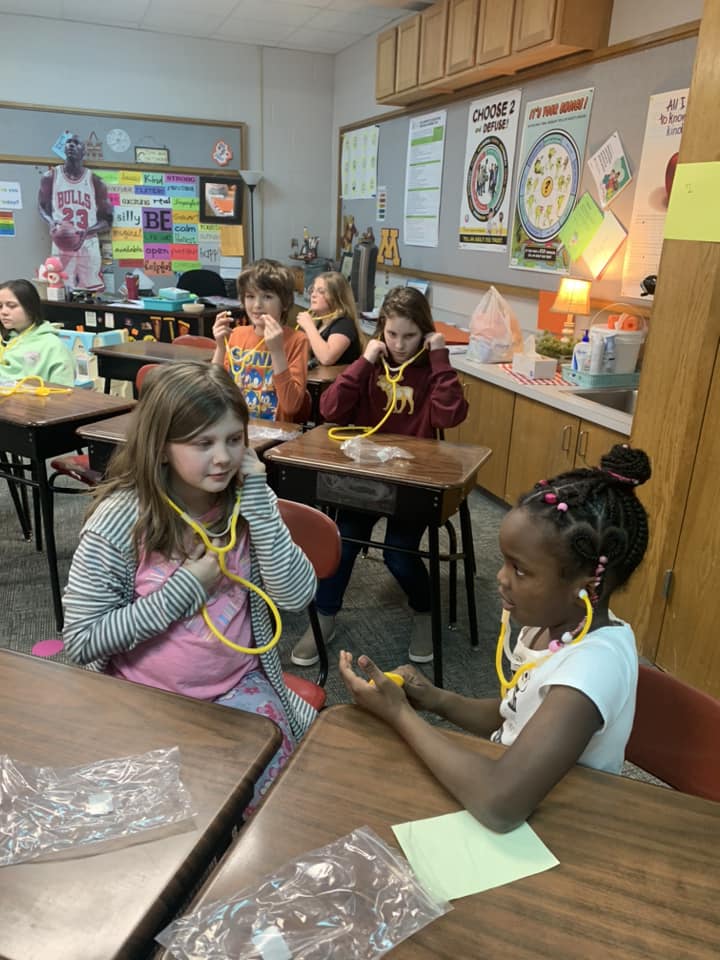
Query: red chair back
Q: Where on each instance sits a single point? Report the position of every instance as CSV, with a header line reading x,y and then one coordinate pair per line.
x,y
676,733
193,340
142,373
315,533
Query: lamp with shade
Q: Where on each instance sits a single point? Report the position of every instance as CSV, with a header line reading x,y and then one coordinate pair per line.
x,y
252,178
573,299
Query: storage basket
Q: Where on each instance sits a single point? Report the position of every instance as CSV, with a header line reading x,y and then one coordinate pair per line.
x,y
162,304
580,378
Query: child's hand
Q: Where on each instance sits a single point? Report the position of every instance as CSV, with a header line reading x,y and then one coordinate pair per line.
x,y
434,341
203,565
420,692
374,350
251,464
222,327
273,333
383,698
306,321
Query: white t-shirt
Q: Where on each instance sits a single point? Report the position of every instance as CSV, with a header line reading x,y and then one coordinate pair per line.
x,y
603,666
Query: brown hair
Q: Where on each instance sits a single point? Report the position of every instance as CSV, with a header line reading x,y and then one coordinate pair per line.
x,y
341,301
410,303
28,298
178,400
272,277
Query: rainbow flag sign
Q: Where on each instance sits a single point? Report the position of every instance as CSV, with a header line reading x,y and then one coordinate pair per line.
x,y
7,223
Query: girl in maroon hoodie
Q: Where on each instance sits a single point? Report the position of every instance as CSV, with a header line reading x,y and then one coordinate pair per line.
x,y
428,398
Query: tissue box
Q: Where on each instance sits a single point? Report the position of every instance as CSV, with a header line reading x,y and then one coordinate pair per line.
x,y
534,366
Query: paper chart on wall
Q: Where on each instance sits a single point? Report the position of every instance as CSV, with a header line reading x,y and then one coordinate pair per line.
x,y
423,179
488,171
358,167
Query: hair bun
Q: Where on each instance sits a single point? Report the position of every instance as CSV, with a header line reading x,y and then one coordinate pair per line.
x,y
627,465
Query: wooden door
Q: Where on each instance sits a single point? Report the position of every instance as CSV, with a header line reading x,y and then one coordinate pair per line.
x,y
489,423
433,36
689,646
462,31
594,441
495,30
406,59
534,22
385,64
542,444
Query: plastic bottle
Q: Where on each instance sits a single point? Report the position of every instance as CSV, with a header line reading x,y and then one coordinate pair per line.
x,y
581,355
608,365
597,351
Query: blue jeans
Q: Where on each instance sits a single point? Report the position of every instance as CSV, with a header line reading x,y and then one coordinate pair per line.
x,y
409,571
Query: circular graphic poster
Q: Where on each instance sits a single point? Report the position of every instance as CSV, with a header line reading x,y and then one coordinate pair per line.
x,y
548,185
487,177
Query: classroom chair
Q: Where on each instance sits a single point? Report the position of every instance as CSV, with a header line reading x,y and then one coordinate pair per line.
x,y
194,340
319,538
676,733
203,283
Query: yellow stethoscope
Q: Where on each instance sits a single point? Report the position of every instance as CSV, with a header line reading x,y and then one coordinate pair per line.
x,y
21,386
221,552
503,647
350,433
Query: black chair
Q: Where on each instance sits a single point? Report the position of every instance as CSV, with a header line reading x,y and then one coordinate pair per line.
x,y
203,283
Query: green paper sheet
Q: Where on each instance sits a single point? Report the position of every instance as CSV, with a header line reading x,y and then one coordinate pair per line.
x,y
454,855
581,226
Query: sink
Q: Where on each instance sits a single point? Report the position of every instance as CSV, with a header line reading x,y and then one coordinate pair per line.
x,y
619,398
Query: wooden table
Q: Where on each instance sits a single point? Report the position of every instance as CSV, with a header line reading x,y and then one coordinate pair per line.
x,y
41,427
102,905
639,865
432,486
102,437
121,361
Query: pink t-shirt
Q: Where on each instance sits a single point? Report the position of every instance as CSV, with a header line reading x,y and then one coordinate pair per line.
x,y
187,658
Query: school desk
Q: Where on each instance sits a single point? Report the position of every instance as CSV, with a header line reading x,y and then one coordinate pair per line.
x,y
101,904
319,379
116,315
121,361
102,437
41,427
433,485
639,865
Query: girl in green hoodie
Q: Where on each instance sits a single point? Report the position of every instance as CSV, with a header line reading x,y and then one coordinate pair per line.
x,y
30,346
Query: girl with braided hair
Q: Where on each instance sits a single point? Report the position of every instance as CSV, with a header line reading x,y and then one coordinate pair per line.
x,y
568,684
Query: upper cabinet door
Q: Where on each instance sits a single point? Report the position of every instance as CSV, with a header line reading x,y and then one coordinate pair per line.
x,y
462,31
534,22
408,49
433,37
494,34
385,64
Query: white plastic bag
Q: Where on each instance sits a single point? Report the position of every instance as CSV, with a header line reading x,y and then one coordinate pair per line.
x,y
365,451
494,330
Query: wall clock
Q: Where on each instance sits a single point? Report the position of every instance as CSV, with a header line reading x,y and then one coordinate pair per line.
x,y
118,140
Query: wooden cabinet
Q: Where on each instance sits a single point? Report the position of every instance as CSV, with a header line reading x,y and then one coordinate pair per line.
x,y
488,424
494,35
406,55
546,441
547,29
385,64
461,35
433,36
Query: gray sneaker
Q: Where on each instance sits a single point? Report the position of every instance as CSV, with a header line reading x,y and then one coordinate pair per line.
x,y
421,646
304,653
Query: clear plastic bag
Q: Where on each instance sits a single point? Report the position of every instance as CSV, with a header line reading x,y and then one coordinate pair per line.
x,y
353,899
494,330
44,810
271,433
362,450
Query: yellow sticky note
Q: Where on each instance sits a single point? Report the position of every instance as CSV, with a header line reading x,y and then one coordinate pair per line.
x,y
454,855
694,209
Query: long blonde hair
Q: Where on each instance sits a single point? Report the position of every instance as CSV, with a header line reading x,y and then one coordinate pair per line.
x,y
340,300
178,400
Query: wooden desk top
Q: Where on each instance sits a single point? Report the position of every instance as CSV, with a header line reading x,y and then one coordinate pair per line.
x,y
29,410
115,430
325,375
153,351
105,905
639,865
436,463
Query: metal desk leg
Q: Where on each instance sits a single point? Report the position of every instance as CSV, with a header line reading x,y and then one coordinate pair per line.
x,y
469,565
46,508
19,497
35,471
435,603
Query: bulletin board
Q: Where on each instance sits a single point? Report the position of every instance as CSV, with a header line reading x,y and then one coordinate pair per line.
x,y
622,86
156,222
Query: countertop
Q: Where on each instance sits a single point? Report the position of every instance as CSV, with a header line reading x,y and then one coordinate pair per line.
x,y
562,398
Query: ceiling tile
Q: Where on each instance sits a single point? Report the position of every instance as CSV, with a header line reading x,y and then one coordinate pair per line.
x,y
320,41
35,8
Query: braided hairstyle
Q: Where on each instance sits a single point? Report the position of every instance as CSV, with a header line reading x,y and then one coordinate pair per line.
x,y
602,525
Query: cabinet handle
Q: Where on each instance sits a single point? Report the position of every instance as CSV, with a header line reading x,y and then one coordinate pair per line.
x,y
565,438
581,450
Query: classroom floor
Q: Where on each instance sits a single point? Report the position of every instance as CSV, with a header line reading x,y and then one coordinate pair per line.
x,y
375,619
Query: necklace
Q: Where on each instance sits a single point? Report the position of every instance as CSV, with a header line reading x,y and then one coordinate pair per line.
x,y
567,639
221,552
5,347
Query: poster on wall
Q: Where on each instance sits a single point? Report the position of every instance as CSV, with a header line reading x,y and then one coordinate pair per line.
x,y
358,169
489,157
423,179
663,130
549,175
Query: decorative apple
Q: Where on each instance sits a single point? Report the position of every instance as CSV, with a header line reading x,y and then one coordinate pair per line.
x,y
670,174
